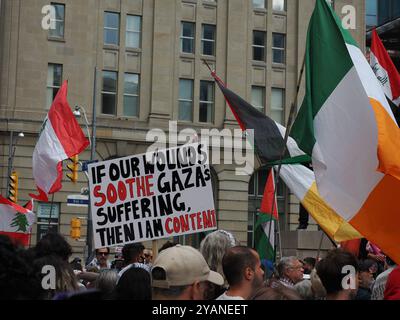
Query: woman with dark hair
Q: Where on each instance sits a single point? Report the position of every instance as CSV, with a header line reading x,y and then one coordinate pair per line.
x,y
134,284
53,244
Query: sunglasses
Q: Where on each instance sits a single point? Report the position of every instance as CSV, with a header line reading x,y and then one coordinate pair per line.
x,y
102,253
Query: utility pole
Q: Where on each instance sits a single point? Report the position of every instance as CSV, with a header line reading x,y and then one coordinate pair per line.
x,y
89,237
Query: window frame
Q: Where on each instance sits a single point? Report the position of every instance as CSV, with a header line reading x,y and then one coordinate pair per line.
x,y
192,39
111,28
207,102
131,95
180,99
56,21
212,41
254,46
128,31
109,92
52,87
262,107
282,109
274,49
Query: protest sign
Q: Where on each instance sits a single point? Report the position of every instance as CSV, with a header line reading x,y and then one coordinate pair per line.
x,y
151,196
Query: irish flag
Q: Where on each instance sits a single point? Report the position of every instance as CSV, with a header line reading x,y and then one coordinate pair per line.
x,y
16,221
347,126
61,138
264,234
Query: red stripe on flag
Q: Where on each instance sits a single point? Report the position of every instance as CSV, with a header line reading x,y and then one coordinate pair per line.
x,y
65,126
18,237
386,62
269,197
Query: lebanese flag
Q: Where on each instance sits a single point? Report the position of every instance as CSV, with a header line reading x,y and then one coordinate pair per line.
x,y
384,69
16,221
61,138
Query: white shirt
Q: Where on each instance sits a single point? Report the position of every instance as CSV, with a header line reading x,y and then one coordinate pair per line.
x,y
224,296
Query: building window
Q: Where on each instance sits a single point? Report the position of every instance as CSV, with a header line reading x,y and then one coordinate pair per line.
x,y
187,37
259,45
206,112
257,98
109,93
185,100
54,79
111,28
208,40
131,95
278,48
279,5
133,31
277,105
371,18
59,20
259,4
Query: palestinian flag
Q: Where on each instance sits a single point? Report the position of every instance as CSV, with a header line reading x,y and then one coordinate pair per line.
x,y
268,135
386,72
346,124
264,232
16,221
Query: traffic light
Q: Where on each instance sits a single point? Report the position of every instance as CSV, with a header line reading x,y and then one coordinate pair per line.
x,y
75,228
13,191
73,167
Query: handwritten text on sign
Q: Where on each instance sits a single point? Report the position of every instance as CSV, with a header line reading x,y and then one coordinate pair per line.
x,y
151,196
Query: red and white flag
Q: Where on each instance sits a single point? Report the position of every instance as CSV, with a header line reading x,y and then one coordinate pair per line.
x,y
61,138
16,221
384,69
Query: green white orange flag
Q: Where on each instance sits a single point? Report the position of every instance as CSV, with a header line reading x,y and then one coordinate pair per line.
x,y
347,126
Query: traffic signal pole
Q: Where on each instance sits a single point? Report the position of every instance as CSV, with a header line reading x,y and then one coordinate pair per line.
x,y
89,237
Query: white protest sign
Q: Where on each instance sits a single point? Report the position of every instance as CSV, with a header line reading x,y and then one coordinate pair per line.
x,y
151,196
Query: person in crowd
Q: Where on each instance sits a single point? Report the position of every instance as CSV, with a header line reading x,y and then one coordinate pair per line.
x,y
317,287
134,284
392,289
366,270
304,289
148,257
181,273
309,264
133,256
213,248
380,282
55,251
167,245
76,264
290,271
18,279
106,283
332,271
242,268
101,260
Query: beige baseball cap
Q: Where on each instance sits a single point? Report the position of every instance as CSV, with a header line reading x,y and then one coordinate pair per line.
x,y
181,266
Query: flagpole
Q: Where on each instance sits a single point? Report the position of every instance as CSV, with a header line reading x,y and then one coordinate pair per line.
x,y
289,123
51,211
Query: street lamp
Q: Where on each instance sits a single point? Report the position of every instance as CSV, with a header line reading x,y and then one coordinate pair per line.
x,y
11,151
92,141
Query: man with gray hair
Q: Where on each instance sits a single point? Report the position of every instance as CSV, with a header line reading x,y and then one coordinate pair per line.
x,y
290,271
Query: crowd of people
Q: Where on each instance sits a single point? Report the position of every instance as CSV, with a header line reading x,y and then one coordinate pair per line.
x,y
221,269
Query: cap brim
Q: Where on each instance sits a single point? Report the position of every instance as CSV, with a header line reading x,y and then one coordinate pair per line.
x,y
215,278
